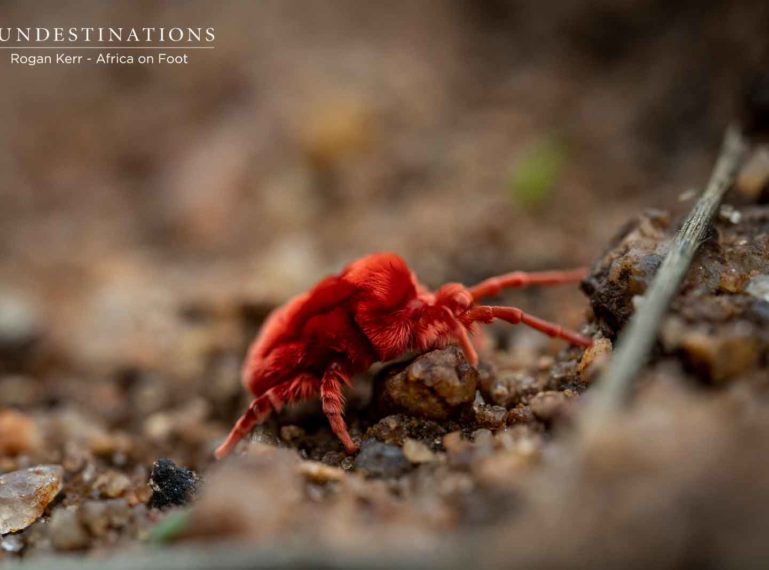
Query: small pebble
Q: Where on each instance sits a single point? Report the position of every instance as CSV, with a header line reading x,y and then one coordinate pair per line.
x,y
491,417
12,544
520,415
171,485
318,472
99,516
730,214
111,484
291,433
19,434
377,459
547,406
759,287
417,452
25,494
594,360
66,530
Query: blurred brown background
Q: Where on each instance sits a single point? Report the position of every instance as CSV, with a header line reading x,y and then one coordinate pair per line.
x,y
472,137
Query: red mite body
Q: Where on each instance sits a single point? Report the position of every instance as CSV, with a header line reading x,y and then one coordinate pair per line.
x,y
374,310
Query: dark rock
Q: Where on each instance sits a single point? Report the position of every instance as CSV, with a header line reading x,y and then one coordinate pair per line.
x,y
626,269
171,485
377,459
716,326
436,385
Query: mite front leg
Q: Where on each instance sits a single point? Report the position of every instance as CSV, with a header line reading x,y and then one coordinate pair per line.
x,y
332,401
517,279
513,315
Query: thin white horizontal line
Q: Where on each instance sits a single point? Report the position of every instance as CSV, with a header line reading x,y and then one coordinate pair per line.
x,y
105,47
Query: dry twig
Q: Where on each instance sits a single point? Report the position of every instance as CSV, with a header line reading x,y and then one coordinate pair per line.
x,y
636,341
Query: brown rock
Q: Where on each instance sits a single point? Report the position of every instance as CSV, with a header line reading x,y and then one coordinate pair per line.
x,y
436,385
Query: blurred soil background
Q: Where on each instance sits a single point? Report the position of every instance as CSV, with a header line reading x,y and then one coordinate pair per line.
x,y
152,215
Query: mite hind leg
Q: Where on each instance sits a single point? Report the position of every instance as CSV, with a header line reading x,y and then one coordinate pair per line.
x,y
261,407
332,401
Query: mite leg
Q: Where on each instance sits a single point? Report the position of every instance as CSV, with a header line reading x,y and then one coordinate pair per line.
x,y
332,400
486,314
460,333
261,408
517,279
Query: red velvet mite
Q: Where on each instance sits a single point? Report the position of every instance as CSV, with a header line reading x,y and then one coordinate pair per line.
x,y
374,310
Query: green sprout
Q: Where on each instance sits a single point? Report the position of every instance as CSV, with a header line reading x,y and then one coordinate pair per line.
x,y
170,528
537,171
